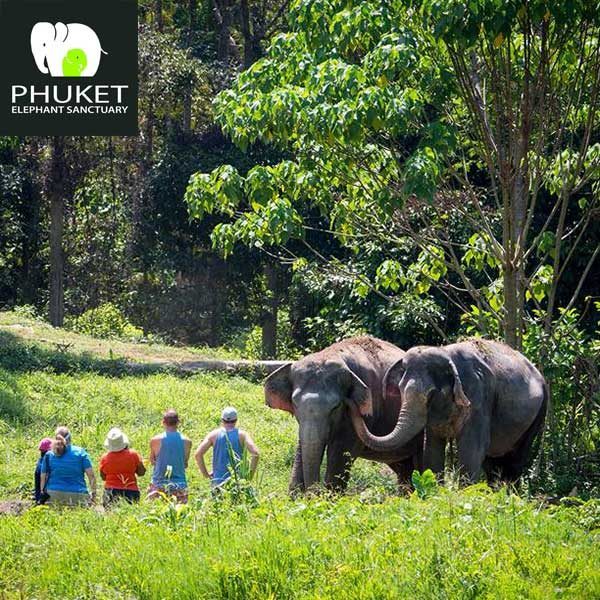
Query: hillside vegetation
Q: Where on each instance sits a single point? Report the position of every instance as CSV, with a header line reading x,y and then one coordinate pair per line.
x,y
15,326
371,543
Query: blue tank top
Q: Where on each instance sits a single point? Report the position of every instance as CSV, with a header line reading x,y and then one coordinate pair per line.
x,y
171,454
221,454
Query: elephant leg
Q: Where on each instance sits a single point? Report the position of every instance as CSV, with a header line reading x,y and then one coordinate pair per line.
x,y
434,453
493,469
473,445
404,469
339,462
297,479
512,465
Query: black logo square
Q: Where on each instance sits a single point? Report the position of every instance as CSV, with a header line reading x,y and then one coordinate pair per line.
x,y
69,67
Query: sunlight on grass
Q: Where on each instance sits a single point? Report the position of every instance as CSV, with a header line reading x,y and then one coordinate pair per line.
x,y
473,543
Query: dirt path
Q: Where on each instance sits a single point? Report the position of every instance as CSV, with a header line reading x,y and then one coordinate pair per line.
x,y
14,507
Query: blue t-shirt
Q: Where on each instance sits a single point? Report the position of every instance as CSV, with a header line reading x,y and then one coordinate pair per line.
x,y
67,471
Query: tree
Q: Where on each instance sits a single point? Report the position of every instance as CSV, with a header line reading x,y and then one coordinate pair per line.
x,y
469,130
56,198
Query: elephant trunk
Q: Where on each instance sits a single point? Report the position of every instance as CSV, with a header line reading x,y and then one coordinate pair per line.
x,y
411,421
297,479
40,61
313,439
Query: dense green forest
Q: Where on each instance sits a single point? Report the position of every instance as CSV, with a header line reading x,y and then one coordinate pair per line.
x,y
306,171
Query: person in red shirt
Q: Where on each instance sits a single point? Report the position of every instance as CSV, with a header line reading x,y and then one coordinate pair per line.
x,y
119,468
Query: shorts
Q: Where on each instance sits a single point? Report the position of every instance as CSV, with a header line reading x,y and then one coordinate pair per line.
x,y
112,494
179,493
58,498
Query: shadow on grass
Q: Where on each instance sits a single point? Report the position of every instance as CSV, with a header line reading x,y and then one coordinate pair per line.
x,y
12,407
19,356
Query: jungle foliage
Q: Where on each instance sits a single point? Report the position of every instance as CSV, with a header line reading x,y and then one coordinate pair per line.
x,y
453,152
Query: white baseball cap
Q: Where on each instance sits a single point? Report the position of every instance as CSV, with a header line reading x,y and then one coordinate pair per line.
x,y
229,414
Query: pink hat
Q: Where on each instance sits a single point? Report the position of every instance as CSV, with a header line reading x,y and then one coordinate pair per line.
x,y
45,445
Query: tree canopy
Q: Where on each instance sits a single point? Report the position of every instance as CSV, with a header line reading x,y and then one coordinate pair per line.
x,y
469,129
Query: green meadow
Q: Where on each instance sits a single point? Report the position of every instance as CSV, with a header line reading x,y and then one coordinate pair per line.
x,y
370,543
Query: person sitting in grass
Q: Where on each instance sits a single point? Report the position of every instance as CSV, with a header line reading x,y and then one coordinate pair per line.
x,y
119,467
169,455
63,474
44,447
228,443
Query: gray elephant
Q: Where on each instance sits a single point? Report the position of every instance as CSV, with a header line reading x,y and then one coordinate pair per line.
x,y
484,394
320,390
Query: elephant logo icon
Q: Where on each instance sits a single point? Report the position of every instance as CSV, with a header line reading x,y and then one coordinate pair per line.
x,y
71,50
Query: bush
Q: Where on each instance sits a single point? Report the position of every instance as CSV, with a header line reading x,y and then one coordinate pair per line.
x,y
27,311
106,321
569,359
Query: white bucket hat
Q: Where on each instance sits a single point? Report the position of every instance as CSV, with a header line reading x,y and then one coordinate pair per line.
x,y
116,440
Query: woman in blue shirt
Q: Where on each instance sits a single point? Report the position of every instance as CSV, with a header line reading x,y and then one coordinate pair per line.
x,y
66,470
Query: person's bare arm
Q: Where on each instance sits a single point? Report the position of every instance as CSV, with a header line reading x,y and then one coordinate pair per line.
x,y
205,444
92,479
43,478
252,450
187,449
154,449
141,468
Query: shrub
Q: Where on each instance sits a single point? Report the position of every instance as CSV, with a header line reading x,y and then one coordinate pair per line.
x,y
27,311
569,359
106,321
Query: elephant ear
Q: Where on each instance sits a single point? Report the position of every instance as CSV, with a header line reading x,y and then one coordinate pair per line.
x,y
391,381
462,403
359,392
278,389
61,32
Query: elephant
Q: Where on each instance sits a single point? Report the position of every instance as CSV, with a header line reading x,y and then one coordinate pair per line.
x,y
75,45
483,394
321,390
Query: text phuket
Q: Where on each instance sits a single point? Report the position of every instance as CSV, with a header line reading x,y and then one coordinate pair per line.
x,y
71,94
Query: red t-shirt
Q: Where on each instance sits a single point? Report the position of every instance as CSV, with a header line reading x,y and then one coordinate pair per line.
x,y
119,469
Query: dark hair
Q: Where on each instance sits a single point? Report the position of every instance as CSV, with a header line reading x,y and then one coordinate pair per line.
x,y
171,418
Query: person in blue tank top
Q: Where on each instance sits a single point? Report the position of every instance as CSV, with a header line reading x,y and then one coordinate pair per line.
x,y
228,442
169,455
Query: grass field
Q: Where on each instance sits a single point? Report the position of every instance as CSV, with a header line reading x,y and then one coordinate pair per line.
x,y
473,543
45,336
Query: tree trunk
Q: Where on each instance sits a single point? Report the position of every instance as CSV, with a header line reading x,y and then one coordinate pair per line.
x,y
226,45
269,317
187,98
159,15
57,210
511,336
250,42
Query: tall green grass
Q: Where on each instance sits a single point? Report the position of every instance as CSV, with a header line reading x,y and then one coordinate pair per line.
x,y
473,543
33,404
470,544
